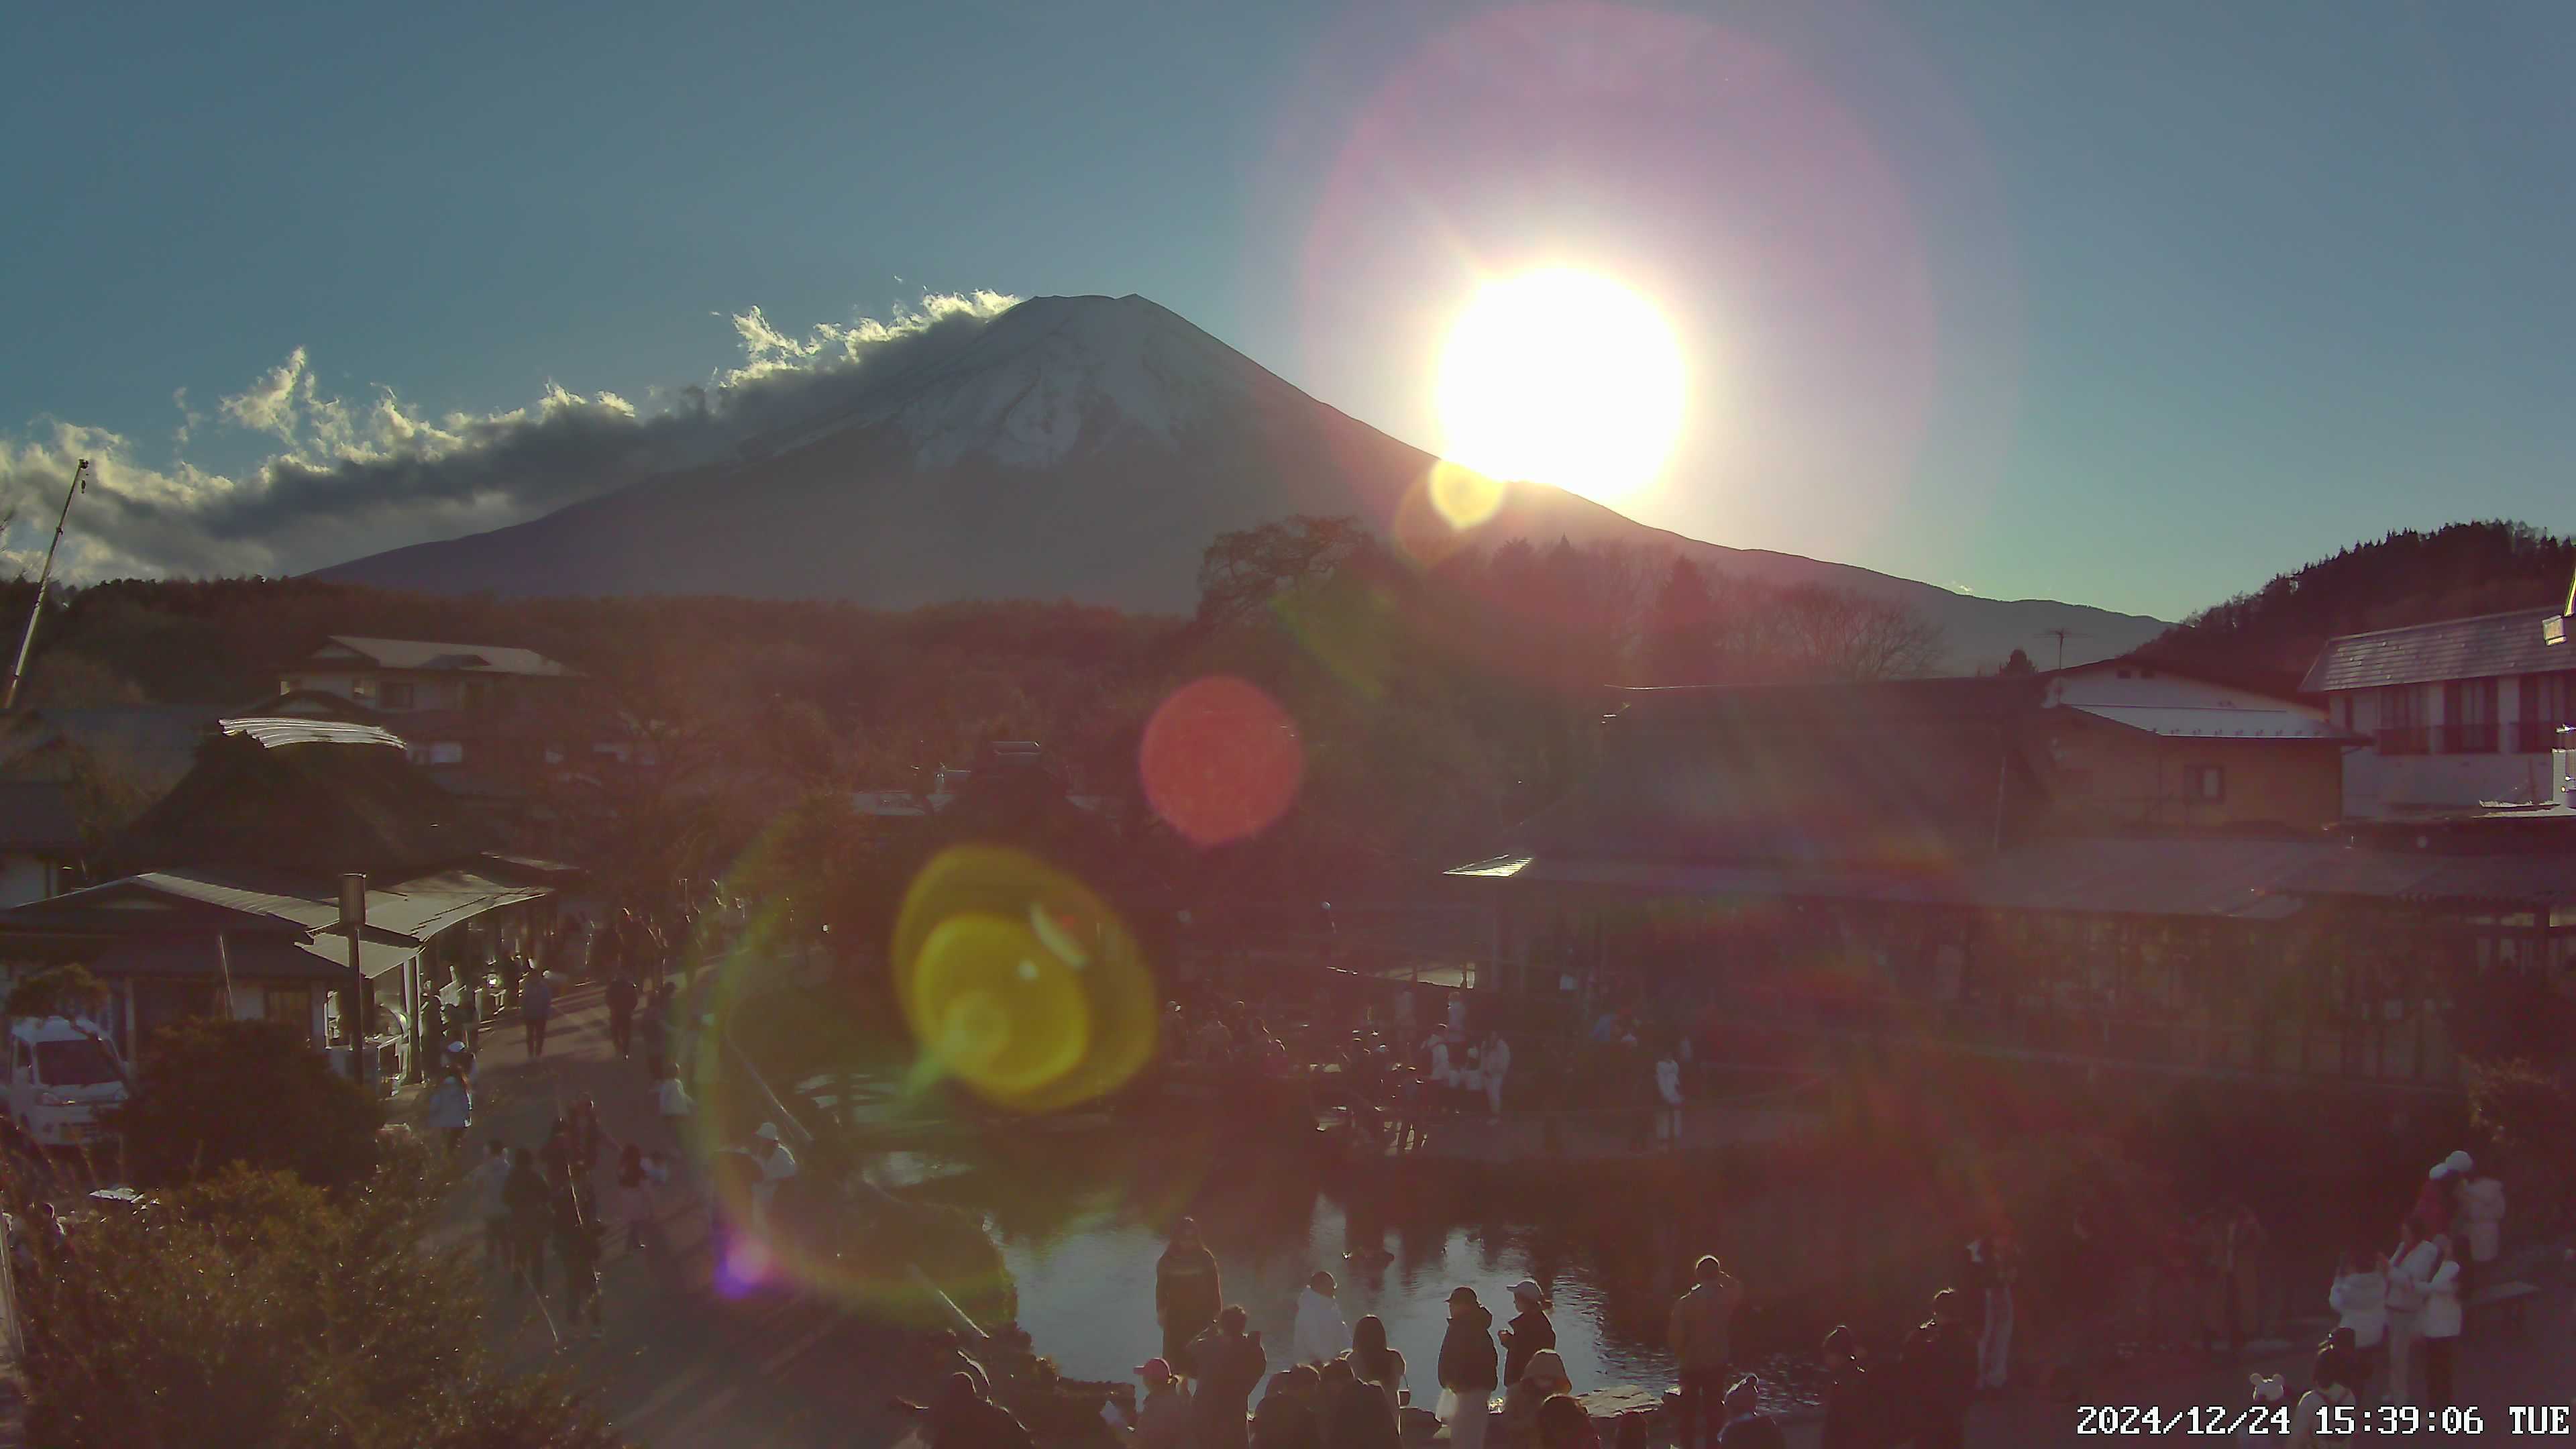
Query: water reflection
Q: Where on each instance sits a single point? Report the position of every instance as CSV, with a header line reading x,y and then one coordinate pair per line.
x,y
1082,1224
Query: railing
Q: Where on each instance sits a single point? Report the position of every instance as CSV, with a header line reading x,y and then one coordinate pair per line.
x,y
2451,739
2538,737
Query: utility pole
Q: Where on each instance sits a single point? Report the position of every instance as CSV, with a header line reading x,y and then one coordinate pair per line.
x,y
2061,635
353,997
27,641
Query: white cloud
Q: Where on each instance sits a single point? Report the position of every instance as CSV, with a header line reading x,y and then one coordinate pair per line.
x,y
345,478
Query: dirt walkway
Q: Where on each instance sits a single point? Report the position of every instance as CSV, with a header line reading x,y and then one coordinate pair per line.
x,y
679,1366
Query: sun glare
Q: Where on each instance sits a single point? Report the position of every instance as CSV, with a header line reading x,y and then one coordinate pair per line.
x,y
1562,377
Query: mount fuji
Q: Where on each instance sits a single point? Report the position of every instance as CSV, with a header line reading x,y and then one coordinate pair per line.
x,y
1086,448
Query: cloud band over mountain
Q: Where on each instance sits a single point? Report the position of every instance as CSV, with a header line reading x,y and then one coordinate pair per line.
x,y
343,478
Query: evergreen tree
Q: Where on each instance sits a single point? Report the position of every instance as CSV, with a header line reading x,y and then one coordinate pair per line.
x,y
1681,644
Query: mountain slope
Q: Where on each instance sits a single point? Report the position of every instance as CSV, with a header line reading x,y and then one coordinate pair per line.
x,y
1085,448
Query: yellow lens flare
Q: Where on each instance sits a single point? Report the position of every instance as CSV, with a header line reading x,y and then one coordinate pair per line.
x,y
1463,496
1562,377
1018,981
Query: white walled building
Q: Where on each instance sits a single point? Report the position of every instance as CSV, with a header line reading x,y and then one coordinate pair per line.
x,y
2458,713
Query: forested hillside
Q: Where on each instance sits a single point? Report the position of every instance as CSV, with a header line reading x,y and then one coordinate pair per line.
x,y
2272,634
1434,702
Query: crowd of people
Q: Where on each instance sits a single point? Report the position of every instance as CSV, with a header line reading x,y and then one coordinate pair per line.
x,y
2402,1312
571,1194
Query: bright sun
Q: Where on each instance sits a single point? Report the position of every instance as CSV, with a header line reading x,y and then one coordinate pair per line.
x,y
1562,377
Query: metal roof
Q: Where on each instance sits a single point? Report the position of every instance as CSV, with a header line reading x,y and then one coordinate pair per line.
x,y
2479,648
2177,721
276,731
446,658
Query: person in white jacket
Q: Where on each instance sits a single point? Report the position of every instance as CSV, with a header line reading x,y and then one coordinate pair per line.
x,y
2441,1326
1320,1335
2410,1268
2359,1298
2482,1205
1497,1064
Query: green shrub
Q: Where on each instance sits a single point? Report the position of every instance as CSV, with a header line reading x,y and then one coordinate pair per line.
x,y
253,1308
215,1094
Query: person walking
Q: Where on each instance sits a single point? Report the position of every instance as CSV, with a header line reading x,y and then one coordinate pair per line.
x,y
1228,1362
1852,1411
1700,1335
2433,1201
1376,1364
1468,1367
486,1186
1668,1099
777,1166
536,1005
1529,1333
2359,1298
633,1208
1938,1371
621,1013
576,1237
1319,1336
1497,1065
2410,1270
2482,1214
1993,1312
661,1019
1188,1290
2442,1322
529,1200
451,1109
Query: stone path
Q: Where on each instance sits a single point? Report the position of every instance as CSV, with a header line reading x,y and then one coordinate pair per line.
x,y
679,1367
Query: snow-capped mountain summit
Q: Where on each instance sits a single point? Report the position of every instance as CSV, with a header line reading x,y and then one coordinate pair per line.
x,y
1074,447
1055,374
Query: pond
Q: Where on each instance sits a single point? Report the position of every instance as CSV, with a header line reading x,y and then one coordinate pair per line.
x,y
1818,1233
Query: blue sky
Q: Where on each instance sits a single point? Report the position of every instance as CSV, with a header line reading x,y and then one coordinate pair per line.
x,y
2129,305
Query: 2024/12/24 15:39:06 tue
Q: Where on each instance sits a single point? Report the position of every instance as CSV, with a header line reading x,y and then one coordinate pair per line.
x,y
2337,1420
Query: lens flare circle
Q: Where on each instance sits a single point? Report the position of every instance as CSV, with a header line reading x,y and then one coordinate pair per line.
x,y
1020,982
1562,377
1220,760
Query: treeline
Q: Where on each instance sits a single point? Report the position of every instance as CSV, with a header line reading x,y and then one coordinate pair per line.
x,y
1435,703
2273,634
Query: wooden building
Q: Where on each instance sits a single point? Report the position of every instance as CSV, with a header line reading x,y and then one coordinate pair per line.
x,y
226,893
1899,858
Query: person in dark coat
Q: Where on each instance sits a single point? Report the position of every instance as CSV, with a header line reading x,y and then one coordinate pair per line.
x,y
1358,1417
1747,1427
1287,1418
621,1013
661,1025
577,1244
528,1197
1852,1412
1229,1362
1938,1370
1187,1292
1529,1330
1468,1367
962,1418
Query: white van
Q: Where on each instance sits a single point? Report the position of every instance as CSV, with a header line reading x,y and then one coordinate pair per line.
x,y
60,1074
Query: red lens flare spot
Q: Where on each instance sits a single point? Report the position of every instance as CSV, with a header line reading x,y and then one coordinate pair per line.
x,y
1221,760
